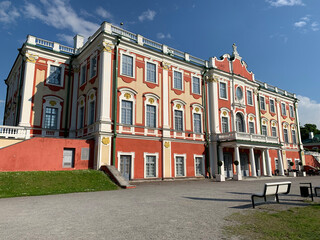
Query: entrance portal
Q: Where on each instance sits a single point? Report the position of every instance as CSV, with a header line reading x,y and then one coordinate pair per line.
x,y
227,159
244,163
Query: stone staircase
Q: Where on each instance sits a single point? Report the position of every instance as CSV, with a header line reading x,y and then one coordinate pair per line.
x,y
116,176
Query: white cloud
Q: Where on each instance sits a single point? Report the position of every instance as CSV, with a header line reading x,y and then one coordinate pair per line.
x,y
309,111
66,38
315,26
8,13
59,14
147,15
300,24
103,13
2,101
284,3
162,35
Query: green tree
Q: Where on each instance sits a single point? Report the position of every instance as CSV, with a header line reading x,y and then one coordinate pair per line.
x,y
307,128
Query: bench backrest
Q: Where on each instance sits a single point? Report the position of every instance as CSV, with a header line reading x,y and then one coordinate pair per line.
x,y
277,188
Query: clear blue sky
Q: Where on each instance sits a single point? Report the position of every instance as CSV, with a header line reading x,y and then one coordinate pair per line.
x,y
278,39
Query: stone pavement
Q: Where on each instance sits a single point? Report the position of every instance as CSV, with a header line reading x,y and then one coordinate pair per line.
x,y
153,210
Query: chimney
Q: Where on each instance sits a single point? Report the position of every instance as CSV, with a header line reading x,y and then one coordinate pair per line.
x,y
78,41
311,135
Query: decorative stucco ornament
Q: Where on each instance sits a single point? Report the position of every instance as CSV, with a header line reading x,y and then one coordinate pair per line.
x,y
105,140
107,47
127,95
167,144
31,57
151,100
165,65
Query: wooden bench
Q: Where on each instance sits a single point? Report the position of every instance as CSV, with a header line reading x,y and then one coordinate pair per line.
x,y
315,191
272,190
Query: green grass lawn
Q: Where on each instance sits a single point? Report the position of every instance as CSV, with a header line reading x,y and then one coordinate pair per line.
x,y
295,223
16,184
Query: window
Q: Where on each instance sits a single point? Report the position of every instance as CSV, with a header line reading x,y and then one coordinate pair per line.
x,y
178,120
83,74
91,112
272,108
151,116
274,131
55,75
262,103
180,166
151,72
93,67
283,109
177,80
294,138
249,97
196,85
264,130
239,123
291,111
285,136
251,127
51,118
197,122
223,90
81,117
126,112
127,65
198,166
224,125
239,93
151,166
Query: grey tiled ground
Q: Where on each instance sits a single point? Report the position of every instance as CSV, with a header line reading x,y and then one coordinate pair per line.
x,y
158,210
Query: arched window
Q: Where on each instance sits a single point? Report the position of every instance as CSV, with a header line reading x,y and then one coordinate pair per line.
x,y
239,123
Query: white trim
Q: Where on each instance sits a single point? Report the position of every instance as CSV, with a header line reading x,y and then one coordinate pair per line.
x,y
274,105
184,164
132,93
95,55
157,163
127,53
83,99
132,154
182,78
202,164
146,70
196,76
194,106
264,101
182,108
244,121
56,64
223,109
89,100
49,103
291,106
156,104
83,65
285,110
252,97
226,83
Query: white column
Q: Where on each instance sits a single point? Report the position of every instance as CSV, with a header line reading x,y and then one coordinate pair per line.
x,y
268,163
213,105
165,100
238,175
73,126
26,93
221,159
280,163
279,121
264,172
258,120
253,163
104,94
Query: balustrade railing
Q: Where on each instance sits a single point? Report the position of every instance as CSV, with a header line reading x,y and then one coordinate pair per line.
x,y
247,136
14,132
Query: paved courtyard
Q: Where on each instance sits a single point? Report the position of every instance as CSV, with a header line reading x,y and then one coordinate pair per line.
x,y
157,210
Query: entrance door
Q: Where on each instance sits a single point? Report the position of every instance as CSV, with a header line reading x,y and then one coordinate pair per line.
x,y
68,158
227,159
125,166
244,163
257,161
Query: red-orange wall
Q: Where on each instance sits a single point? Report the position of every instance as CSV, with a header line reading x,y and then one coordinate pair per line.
x,y
44,154
311,161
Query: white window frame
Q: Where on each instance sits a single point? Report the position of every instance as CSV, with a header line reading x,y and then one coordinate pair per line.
x,y
283,111
132,154
242,92
83,100
252,98
264,103
202,163
254,127
192,90
90,69
275,126
133,63
155,103
182,108
194,106
185,163
146,71
226,84
182,79
295,132
274,105
291,111
49,101
124,92
286,128
82,66
89,100
222,110
56,64
145,162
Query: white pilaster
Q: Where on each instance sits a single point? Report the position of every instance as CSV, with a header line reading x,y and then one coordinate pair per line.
x,y
238,175
73,126
280,163
279,121
258,120
213,105
221,159
253,163
26,93
268,163
264,172
298,126
165,100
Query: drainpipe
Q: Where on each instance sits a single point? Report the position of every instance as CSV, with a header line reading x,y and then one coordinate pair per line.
x,y
115,101
19,89
204,104
66,127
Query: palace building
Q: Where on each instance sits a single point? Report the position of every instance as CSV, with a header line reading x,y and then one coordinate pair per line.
x,y
151,111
